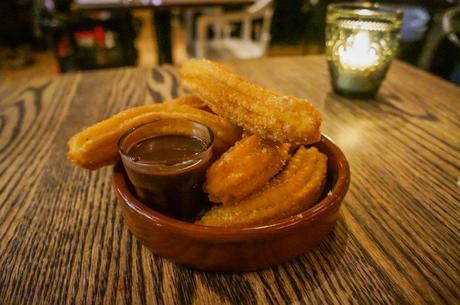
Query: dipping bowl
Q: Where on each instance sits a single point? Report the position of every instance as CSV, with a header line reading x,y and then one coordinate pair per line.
x,y
237,249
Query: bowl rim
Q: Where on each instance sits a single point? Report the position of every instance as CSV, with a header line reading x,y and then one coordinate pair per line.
x,y
203,232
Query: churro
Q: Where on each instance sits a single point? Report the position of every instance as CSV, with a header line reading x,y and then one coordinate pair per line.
x,y
96,146
265,113
294,190
244,169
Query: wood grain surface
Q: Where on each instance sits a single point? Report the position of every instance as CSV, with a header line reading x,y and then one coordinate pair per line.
x,y
63,240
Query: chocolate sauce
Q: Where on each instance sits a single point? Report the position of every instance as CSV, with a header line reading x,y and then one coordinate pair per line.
x,y
173,185
169,149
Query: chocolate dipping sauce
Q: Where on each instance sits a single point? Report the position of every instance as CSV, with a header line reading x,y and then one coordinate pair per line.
x,y
167,170
169,149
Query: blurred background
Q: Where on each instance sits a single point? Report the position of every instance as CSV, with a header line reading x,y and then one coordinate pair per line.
x,y
44,37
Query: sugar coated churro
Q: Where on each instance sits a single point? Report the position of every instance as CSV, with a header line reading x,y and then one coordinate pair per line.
x,y
294,190
262,112
258,170
244,168
96,146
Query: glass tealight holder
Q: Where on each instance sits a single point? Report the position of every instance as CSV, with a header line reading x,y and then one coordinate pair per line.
x,y
361,41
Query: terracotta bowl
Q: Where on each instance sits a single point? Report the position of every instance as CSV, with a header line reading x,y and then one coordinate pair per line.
x,y
237,249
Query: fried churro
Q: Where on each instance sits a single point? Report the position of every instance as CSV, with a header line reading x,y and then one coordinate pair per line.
x,y
294,190
96,146
256,180
260,111
244,169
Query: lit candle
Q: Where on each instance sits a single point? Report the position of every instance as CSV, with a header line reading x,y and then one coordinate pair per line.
x,y
357,52
361,41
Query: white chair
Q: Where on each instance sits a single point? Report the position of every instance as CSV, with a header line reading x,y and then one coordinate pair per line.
x,y
253,38
189,16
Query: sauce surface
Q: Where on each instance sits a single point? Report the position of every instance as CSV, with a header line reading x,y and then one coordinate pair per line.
x,y
166,149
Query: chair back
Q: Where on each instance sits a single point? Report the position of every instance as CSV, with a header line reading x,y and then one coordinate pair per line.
x,y
261,9
253,34
451,25
260,6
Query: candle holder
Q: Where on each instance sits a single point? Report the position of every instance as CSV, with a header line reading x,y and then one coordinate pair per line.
x,y
361,41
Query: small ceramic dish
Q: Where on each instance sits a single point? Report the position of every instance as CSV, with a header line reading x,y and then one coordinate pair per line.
x,y
237,249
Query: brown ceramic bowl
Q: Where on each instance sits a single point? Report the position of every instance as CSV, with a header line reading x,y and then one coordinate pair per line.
x,y
237,249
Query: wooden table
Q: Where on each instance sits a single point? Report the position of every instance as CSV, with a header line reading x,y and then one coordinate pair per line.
x,y
63,240
161,15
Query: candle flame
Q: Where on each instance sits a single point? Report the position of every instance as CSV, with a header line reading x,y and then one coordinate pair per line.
x,y
357,51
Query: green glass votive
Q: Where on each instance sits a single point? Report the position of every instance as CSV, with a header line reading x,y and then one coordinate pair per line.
x,y
361,42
